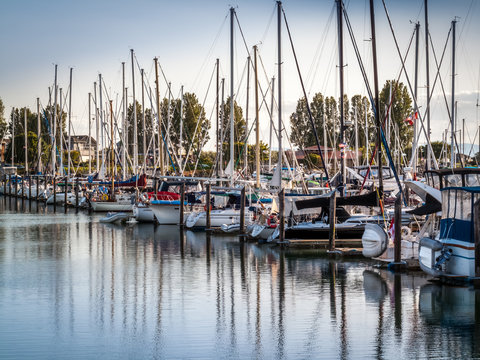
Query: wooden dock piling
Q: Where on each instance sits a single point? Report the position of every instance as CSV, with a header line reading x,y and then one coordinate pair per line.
x,y
208,208
65,195
476,229
242,211
281,209
182,207
54,194
332,220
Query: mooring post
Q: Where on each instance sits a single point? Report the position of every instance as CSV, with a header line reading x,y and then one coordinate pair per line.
x,y
46,181
182,199
38,193
207,207
29,192
331,220
5,185
476,229
242,211
76,193
65,195
16,188
281,209
398,226
398,264
54,193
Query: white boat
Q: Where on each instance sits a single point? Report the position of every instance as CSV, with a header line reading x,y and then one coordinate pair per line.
x,y
60,198
122,202
143,213
452,253
218,218
167,212
114,217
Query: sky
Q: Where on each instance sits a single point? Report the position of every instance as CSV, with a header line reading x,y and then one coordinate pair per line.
x,y
95,36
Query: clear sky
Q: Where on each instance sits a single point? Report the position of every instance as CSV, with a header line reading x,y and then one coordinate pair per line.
x,y
95,36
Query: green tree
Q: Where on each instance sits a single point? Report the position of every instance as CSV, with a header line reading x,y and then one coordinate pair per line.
x,y
3,122
400,109
149,130
239,131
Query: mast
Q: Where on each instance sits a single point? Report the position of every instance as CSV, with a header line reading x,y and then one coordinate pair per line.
x,y
340,68
13,136
245,151
159,121
279,47
135,139
222,126
232,130
377,103
102,125
124,124
97,129
452,125
112,152
144,133
26,139
217,172
60,129
39,141
367,140
356,135
89,133
257,122
271,125
69,121
415,127
427,74
54,145
180,147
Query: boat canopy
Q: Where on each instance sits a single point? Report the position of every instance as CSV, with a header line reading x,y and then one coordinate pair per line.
x,y
457,212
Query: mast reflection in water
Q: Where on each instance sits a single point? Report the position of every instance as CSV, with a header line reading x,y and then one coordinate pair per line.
x,y
71,287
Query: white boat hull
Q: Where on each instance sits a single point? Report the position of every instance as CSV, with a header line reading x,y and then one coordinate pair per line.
x,y
217,218
101,206
143,214
166,214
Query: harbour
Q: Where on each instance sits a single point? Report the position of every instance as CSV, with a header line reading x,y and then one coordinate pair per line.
x,y
73,287
213,194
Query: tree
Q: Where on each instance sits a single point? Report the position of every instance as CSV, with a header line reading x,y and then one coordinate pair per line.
x,y
400,110
195,124
3,122
239,131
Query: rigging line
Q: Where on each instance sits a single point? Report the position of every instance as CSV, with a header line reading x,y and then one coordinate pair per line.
x,y
198,121
306,99
241,33
382,135
210,51
449,112
314,66
268,25
409,83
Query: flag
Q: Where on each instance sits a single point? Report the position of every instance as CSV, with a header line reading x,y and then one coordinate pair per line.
x,y
409,121
391,230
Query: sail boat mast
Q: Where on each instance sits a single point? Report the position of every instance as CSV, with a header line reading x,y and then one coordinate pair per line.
x,y
452,124
279,47
232,130
340,68
257,123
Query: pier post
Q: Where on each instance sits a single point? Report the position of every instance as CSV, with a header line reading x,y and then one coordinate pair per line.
x,y
46,181
65,195
76,193
207,208
54,194
331,221
38,189
29,193
5,185
182,199
242,211
281,209
23,192
398,265
16,188
476,229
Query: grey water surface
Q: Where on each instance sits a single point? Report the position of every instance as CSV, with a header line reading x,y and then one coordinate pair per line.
x,y
74,288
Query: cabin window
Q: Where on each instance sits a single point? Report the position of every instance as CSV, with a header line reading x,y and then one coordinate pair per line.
x,y
453,180
472,180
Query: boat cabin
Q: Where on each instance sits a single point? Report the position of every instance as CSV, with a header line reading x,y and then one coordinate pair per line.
x,y
458,177
457,213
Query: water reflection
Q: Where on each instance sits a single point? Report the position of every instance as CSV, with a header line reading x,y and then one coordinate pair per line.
x,y
72,287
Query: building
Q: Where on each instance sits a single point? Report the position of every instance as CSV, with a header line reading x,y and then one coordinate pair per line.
x,y
80,143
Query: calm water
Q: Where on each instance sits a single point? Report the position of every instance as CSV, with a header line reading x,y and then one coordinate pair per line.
x,y
71,287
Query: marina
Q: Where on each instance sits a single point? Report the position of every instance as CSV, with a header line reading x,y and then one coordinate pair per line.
x,y
73,287
256,208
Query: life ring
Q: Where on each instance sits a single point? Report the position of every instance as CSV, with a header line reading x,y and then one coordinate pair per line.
x,y
104,197
406,231
205,207
272,221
